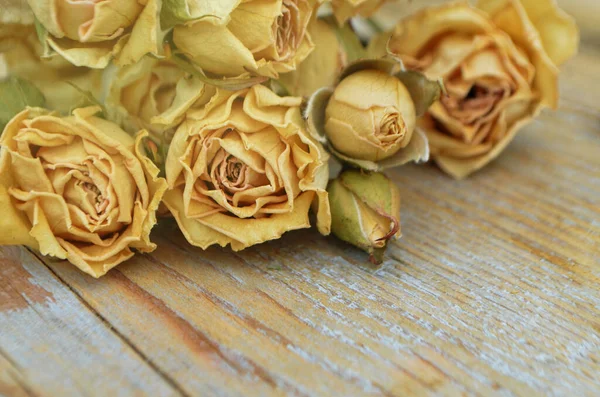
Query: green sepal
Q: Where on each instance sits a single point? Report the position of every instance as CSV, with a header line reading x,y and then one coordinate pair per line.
x,y
345,217
177,12
87,99
375,190
15,95
423,91
42,35
349,40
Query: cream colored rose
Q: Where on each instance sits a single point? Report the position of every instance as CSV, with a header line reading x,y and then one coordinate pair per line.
x,y
242,170
150,95
92,32
265,37
144,91
323,65
371,116
346,9
76,188
498,68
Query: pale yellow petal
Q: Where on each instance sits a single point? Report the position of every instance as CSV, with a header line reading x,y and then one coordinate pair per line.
x,y
14,225
145,36
557,30
214,48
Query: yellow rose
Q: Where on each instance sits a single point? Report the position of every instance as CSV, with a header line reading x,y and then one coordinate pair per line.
x,y
242,170
323,65
76,188
368,120
346,9
91,33
499,69
150,95
51,76
266,37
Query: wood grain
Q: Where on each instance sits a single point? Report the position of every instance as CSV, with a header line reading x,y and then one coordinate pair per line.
x,y
51,344
493,291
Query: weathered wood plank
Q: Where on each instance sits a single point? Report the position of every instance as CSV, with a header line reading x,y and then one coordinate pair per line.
x,y
200,365
52,344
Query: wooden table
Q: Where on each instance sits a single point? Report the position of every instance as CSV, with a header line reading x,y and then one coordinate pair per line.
x,y
494,290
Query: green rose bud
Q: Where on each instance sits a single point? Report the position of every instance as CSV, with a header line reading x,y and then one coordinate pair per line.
x,y
365,211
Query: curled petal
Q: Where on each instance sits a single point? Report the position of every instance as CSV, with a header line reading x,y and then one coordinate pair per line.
x,y
89,194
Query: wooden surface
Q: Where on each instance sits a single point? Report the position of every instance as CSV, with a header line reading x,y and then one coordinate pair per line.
x,y
494,290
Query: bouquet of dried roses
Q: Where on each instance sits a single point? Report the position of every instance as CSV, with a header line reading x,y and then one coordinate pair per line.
x,y
241,118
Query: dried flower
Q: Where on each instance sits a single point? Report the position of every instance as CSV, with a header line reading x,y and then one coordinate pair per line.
x,y
365,211
368,120
242,170
77,188
499,65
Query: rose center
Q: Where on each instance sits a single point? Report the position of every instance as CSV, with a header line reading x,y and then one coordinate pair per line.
x,y
95,197
234,178
479,102
391,128
233,169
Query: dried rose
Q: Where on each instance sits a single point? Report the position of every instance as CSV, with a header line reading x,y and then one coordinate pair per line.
x,y
368,120
76,188
233,38
91,33
365,211
498,63
152,95
242,170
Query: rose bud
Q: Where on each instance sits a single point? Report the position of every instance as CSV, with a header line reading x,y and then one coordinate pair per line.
x,y
368,120
232,39
92,33
370,116
365,211
77,188
499,66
